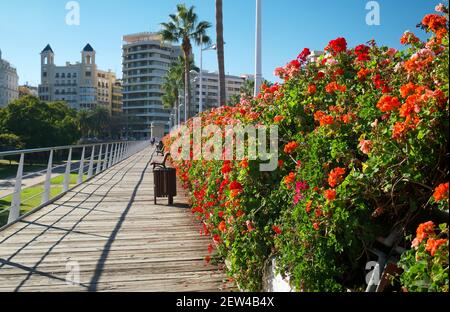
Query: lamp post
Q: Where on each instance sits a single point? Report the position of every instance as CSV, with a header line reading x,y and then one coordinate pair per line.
x,y
212,47
258,62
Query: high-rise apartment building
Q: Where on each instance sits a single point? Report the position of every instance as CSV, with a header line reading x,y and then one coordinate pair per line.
x,y
9,82
82,85
210,89
146,61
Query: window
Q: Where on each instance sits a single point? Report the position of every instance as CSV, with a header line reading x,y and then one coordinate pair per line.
x,y
88,74
44,74
57,75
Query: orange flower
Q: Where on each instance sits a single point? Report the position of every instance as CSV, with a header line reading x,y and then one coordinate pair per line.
x,y
278,119
362,73
244,163
387,103
288,180
330,194
290,147
433,245
336,176
424,230
323,118
222,226
308,206
441,192
407,89
434,22
312,89
365,146
333,86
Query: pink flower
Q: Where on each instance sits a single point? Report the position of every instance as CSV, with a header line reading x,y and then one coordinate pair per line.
x,y
440,8
365,146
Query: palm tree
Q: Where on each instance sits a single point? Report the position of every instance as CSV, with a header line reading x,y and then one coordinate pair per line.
x,y
184,26
220,53
173,82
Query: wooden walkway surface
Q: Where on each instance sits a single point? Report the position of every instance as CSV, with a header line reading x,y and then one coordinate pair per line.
x,y
107,235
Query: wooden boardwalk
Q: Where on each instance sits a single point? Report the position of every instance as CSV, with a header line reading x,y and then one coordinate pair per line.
x,y
107,235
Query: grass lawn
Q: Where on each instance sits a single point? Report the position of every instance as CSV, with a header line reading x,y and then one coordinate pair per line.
x,y
8,170
31,197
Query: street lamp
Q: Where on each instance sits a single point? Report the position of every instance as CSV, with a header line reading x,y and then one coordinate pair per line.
x,y
258,57
212,47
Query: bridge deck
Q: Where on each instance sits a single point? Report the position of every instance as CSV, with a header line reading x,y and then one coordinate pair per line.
x,y
109,231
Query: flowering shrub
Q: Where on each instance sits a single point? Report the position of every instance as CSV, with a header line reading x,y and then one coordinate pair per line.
x,y
363,148
426,265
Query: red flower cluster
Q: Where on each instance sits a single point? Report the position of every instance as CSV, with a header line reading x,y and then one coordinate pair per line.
x,y
436,23
441,192
303,56
289,179
422,232
312,89
388,103
277,230
362,73
235,188
278,119
291,147
362,52
336,176
337,46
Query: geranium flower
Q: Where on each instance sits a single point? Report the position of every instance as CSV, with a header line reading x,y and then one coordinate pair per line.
x,y
423,230
222,226
312,89
434,244
336,176
388,103
330,194
290,147
277,230
441,192
365,146
337,46
289,179
278,119
316,226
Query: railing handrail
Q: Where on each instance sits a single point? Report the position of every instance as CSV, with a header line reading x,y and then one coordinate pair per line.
x,y
59,148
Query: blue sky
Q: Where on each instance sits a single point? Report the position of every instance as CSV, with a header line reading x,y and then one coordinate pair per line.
x,y
26,26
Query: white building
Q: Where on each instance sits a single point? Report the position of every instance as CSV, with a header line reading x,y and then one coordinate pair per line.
x,y
146,61
81,85
9,83
211,88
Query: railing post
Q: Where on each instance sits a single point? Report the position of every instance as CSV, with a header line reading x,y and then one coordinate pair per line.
x,y
48,178
67,173
99,160
81,167
91,163
14,211
116,151
111,156
105,161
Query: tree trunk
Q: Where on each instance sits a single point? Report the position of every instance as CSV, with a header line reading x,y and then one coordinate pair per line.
x,y
177,104
187,78
220,53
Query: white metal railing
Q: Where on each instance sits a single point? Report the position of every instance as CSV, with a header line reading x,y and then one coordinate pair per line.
x,y
95,158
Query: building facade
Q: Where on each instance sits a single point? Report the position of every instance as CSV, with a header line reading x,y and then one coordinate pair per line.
x,y
82,85
211,89
146,61
9,82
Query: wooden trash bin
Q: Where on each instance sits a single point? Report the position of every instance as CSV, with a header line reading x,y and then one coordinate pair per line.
x,y
165,180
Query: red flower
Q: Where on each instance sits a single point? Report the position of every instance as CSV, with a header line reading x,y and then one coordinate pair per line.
x,y
336,46
207,259
336,176
210,248
276,229
362,73
280,163
226,168
388,103
362,52
302,57
333,86
278,119
244,163
235,185
316,226
249,225
308,206
330,194
441,192
291,147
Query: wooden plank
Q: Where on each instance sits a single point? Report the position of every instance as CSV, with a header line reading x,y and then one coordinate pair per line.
x,y
121,242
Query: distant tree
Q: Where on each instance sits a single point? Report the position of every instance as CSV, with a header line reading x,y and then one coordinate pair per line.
x,y
40,124
9,142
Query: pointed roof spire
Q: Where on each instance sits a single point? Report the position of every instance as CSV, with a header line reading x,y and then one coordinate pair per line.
x,y
88,48
48,48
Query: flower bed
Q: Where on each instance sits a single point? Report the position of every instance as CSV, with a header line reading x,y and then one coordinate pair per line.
x,y
363,137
